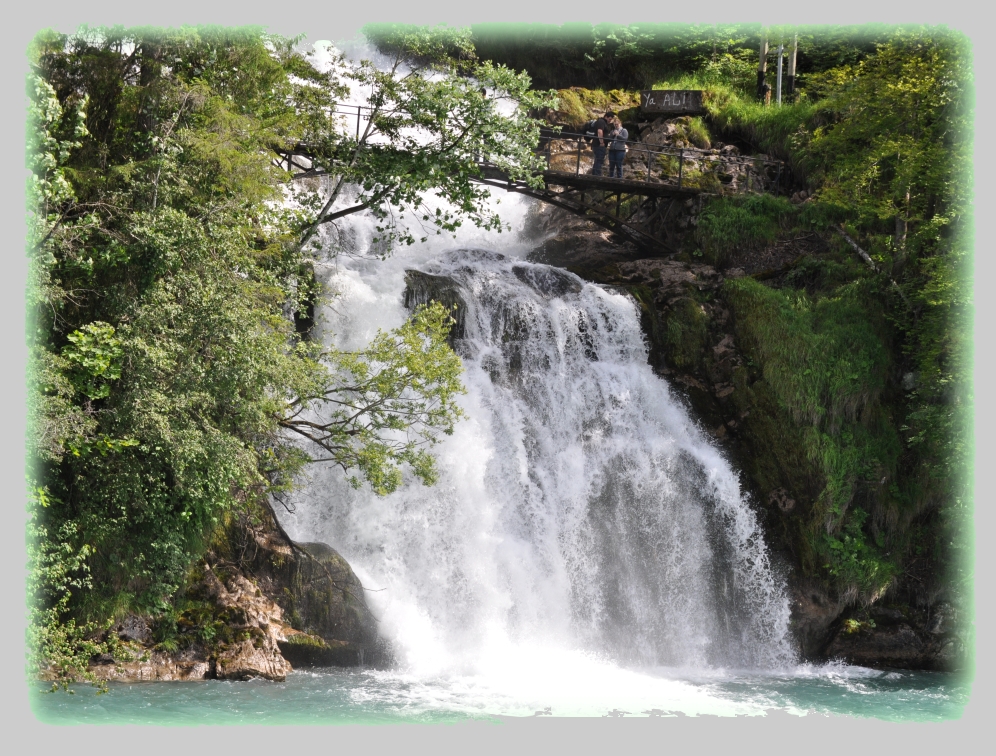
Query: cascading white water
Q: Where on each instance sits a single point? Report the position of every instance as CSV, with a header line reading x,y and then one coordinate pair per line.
x,y
579,508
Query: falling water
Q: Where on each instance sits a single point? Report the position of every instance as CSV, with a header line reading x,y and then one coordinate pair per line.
x,y
579,508
587,551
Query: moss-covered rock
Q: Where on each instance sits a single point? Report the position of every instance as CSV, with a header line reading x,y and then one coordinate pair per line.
x,y
316,589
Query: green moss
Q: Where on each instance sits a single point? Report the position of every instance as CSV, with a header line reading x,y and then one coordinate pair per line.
x,y
686,333
823,362
305,639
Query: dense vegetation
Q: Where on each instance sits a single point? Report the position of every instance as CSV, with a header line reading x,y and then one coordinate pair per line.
x,y
184,183
172,243
862,375
872,365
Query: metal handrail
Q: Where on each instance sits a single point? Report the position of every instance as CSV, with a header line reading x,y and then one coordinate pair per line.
x,y
649,150
652,151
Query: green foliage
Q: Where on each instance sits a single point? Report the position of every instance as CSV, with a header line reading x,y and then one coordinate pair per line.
x,y
741,222
852,560
165,368
383,406
826,361
607,55
638,56
57,568
429,123
94,354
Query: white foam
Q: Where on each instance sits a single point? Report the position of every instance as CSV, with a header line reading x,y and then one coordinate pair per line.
x,y
580,513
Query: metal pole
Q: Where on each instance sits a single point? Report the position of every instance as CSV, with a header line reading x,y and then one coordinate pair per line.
x,y
681,164
357,123
577,168
781,49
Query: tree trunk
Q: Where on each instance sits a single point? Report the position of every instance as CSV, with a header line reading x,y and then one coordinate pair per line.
x,y
791,71
762,66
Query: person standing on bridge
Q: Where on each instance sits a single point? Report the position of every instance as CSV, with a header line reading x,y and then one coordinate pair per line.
x,y
617,148
600,144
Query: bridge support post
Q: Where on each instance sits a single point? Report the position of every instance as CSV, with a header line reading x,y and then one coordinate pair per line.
x,y
577,168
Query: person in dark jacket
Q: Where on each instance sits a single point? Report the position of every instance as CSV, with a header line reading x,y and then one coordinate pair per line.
x,y
600,145
617,147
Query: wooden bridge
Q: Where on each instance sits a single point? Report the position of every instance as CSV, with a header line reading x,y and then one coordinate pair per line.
x,y
636,206
655,178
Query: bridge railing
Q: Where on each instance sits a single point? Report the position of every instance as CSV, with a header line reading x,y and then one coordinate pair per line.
x,y
569,153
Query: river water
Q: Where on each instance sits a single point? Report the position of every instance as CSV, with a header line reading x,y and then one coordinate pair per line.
x,y
586,552
564,686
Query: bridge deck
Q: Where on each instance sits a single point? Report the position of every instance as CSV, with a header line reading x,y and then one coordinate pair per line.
x,y
652,188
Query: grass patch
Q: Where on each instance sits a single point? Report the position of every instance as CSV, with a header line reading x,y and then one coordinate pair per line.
x,y
694,132
777,131
825,361
741,222
578,105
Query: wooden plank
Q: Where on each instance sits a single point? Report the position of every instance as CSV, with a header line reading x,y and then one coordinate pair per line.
x,y
672,101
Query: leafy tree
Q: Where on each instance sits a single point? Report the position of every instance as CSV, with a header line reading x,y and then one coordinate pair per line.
x,y
168,381
430,117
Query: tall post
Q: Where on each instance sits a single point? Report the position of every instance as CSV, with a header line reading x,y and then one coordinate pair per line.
x,y
577,168
791,75
357,122
762,65
781,50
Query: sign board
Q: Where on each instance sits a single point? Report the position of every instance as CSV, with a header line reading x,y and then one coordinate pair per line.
x,y
672,101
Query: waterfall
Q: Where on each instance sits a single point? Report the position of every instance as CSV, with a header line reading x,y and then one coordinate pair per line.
x,y
578,507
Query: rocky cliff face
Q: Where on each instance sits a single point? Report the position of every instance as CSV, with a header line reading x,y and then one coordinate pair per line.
x,y
691,332
257,605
